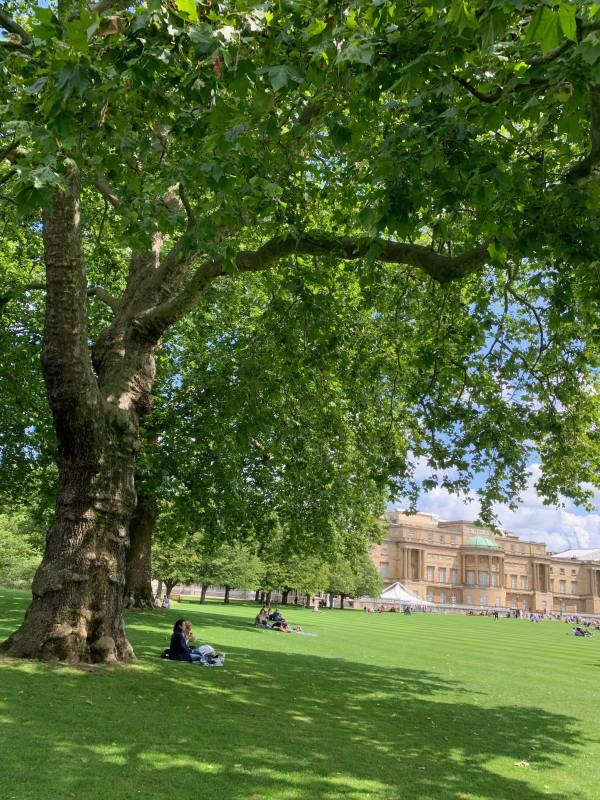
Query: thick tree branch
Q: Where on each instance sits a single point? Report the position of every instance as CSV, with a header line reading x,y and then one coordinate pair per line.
x,y
442,268
107,191
9,24
535,61
92,291
97,291
7,176
186,204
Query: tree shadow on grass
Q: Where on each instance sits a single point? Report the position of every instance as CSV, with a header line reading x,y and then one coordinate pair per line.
x,y
268,726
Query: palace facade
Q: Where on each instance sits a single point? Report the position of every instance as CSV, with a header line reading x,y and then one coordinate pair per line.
x,y
461,563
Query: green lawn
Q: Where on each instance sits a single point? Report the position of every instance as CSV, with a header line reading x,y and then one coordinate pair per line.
x,y
375,706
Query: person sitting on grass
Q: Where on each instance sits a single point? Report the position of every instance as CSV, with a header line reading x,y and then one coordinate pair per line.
x,y
262,619
276,616
280,625
180,650
207,652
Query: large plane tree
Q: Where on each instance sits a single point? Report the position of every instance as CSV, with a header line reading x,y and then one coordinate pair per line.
x,y
443,154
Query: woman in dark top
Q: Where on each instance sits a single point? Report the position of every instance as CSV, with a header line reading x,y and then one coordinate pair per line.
x,y
179,650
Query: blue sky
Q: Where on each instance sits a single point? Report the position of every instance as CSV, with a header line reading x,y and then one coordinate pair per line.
x,y
560,529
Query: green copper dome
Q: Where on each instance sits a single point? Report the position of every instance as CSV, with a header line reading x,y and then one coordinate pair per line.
x,y
481,541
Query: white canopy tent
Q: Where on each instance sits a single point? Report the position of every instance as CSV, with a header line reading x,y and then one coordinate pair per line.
x,y
396,593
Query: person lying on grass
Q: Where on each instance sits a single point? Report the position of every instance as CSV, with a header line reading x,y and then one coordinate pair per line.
x,y
180,650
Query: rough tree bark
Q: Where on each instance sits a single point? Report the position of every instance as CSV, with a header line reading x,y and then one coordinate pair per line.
x,y
226,597
138,568
169,585
284,597
203,592
97,402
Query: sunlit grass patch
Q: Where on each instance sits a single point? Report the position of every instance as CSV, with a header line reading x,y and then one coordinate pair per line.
x,y
375,706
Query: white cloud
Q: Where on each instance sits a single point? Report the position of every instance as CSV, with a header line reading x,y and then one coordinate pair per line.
x,y
559,528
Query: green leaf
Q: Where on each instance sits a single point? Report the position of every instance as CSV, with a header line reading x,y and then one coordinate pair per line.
x,y
37,87
70,80
281,75
356,54
316,27
544,28
188,9
76,33
568,23
488,31
202,36
589,51
464,16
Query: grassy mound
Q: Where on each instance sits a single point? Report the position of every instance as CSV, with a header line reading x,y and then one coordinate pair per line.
x,y
384,706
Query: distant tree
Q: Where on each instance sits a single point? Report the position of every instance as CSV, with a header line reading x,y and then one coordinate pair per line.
x,y
20,549
177,560
367,581
236,566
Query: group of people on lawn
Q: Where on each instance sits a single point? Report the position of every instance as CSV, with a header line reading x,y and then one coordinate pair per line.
x,y
275,621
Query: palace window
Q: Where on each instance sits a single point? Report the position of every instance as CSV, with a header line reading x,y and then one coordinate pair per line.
x,y
513,581
430,538
453,540
523,581
483,578
495,579
562,587
573,572
522,548
453,599
498,603
512,548
471,577
453,576
430,573
484,600
469,599
442,574
574,587
442,538
562,572
383,570
430,596
442,597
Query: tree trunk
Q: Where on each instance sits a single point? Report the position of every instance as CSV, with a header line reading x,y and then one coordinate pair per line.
x,y
331,598
257,596
342,598
76,611
203,592
138,568
262,598
159,588
268,598
284,597
307,604
169,588
226,598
